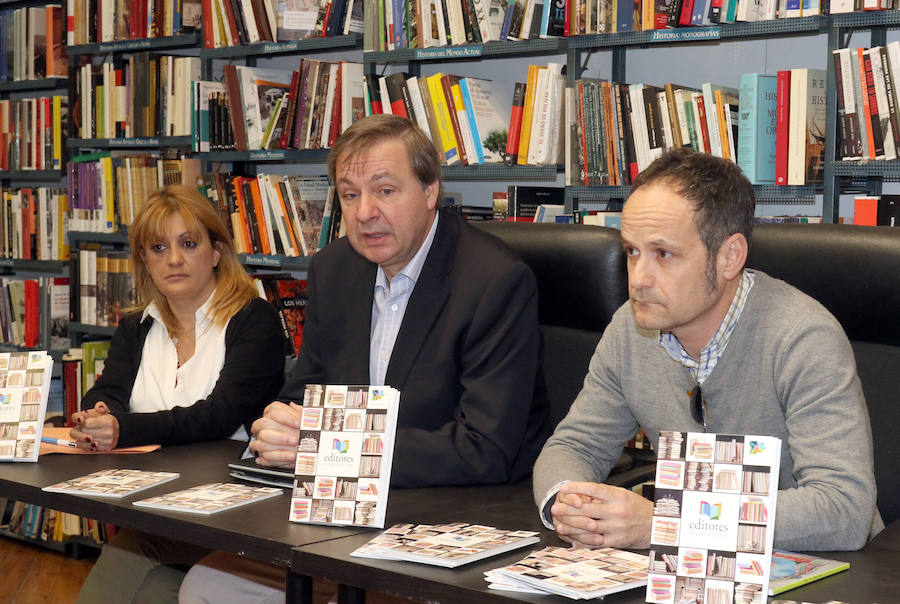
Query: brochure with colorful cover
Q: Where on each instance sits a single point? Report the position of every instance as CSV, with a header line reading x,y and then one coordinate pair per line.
x,y
209,498
343,469
790,570
24,389
449,545
713,517
112,483
580,574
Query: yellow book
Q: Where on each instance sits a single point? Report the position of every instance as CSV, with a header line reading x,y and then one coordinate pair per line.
x,y
723,98
108,195
57,132
63,226
465,128
449,151
528,113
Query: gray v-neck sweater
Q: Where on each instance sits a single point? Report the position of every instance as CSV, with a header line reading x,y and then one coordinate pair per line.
x,y
788,371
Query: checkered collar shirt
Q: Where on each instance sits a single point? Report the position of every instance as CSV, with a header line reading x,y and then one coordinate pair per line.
x,y
389,307
713,351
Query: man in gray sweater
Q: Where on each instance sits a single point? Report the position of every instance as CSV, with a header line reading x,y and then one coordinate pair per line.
x,y
763,357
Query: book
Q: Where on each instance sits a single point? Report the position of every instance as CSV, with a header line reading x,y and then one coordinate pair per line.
x,y
447,545
713,516
112,483
756,126
23,403
344,456
249,470
581,573
790,570
523,200
209,498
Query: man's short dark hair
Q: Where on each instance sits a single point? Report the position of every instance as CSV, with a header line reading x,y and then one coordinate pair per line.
x,y
368,132
723,198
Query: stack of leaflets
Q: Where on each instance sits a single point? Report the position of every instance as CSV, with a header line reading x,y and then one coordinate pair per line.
x,y
580,574
449,545
209,498
112,483
249,470
344,457
24,389
790,570
713,517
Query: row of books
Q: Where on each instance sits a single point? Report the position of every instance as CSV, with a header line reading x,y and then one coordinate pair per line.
x,y
257,108
772,127
33,223
32,133
81,368
274,214
31,43
104,285
37,522
867,99
94,21
140,95
466,118
395,24
236,22
106,189
20,308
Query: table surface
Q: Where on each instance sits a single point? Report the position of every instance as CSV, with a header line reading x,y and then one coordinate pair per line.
x,y
260,530
872,577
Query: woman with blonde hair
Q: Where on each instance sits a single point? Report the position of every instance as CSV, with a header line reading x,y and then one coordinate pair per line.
x,y
198,358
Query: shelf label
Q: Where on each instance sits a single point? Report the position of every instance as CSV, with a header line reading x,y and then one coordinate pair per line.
x,y
129,45
452,52
134,142
282,46
262,260
264,155
687,34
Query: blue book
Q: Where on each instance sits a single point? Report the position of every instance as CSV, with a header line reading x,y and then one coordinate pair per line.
x,y
507,19
701,10
756,127
398,8
625,16
545,17
470,113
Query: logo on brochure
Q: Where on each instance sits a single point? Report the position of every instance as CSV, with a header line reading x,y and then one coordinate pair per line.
x,y
5,399
341,446
377,394
710,510
757,447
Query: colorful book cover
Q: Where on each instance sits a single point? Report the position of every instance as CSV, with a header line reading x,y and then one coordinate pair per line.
x,y
756,127
448,545
112,483
713,517
209,498
582,573
790,570
344,456
24,389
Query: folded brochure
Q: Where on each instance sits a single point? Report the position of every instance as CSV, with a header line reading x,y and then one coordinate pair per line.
x,y
448,545
790,570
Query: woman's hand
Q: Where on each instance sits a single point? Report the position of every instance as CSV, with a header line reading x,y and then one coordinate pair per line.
x,y
95,429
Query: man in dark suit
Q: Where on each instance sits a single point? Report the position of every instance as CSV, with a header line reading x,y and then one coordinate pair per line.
x,y
466,351
414,298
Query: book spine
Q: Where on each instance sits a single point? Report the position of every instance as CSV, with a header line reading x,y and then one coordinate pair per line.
x,y
782,123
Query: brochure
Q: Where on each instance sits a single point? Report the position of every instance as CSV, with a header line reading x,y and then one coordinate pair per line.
x,y
209,498
112,483
343,469
24,389
580,574
449,545
713,517
790,570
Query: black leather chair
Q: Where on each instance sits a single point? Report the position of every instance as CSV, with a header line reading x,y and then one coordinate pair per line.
x,y
854,272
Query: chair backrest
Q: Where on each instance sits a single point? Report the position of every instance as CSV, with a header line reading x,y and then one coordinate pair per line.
x,y
855,273
581,282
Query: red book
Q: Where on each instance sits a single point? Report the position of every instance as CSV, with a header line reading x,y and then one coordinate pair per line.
x,y
260,217
235,107
31,313
71,387
395,84
586,181
205,12
870,106
336,109
515,124
231,22
447,82
704,128
687,10
285,141
865,211
242,212
782,125
567,20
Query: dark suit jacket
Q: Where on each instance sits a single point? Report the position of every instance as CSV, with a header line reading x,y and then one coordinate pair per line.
x,y
465,359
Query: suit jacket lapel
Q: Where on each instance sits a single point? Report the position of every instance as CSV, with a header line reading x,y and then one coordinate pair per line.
x,y
426,302
358,297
